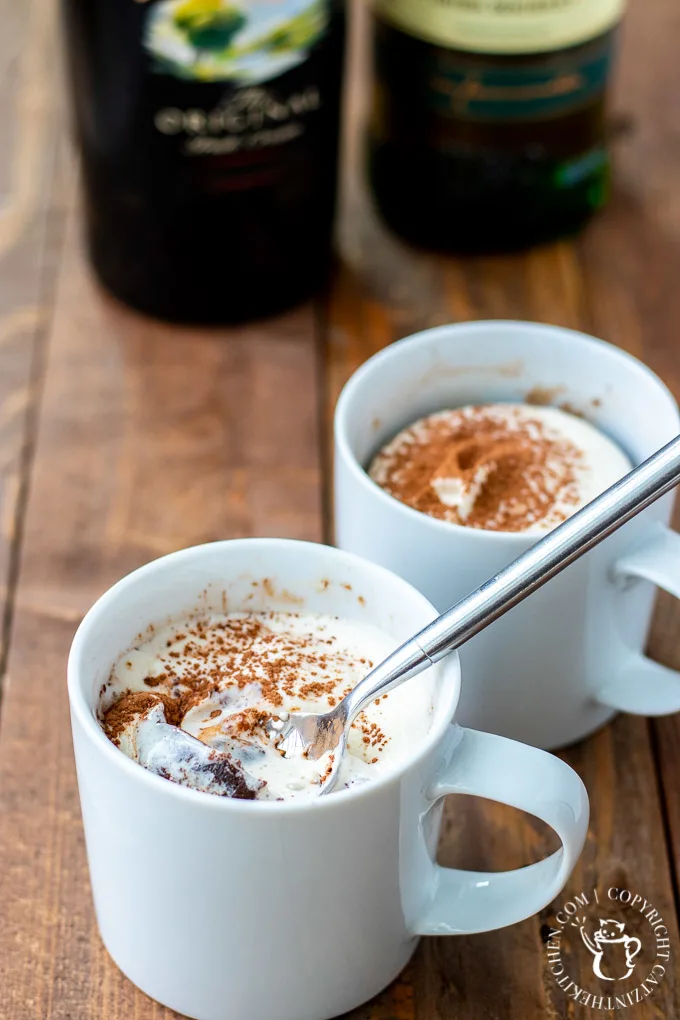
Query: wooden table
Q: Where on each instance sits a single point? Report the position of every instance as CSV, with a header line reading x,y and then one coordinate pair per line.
x,y
122,439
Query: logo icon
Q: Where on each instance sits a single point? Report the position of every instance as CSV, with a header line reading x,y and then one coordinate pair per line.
x,y
610,936
626,938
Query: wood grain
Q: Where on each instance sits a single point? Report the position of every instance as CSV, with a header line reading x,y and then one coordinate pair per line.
x,y
634,295
33,167
150,438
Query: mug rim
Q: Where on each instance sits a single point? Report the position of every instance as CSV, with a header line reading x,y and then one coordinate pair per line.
x,y
443,717
423,338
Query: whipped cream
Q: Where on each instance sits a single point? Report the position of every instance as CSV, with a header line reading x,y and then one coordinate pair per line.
x,y
500,467
194,701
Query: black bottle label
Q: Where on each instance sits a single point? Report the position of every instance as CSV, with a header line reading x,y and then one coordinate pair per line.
x,y
224,85
248,46
250,120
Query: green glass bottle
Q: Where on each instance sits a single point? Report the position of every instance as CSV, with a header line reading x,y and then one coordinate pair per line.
x,y
487,128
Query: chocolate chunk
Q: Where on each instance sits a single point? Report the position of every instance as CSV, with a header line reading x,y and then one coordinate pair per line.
x,y
230,775
172,753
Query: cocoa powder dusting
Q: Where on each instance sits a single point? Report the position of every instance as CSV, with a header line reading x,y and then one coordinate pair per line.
x,y
212,656
513,469
133,706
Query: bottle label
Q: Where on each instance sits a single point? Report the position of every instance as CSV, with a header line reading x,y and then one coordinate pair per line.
x,y
532,90
247,42
503,26
228,82
249,120
483,126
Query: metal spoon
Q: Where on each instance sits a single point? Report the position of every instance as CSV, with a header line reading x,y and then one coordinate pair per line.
x,y
314,735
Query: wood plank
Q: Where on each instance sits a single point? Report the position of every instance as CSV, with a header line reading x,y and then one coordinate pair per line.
x,y
600,284
32,173
150,438
644,312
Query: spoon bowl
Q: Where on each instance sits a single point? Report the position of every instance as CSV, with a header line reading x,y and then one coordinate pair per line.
x,y
311,734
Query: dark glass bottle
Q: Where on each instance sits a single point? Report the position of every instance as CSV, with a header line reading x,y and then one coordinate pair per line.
x,y
485,151
209,132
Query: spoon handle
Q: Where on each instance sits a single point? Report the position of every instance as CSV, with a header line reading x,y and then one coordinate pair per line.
x,y
560,547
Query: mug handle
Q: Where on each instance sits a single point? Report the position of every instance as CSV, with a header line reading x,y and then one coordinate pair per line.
x,y
485,765
645,687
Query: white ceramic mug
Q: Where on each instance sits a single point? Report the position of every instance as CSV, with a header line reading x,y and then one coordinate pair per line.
x,y
561,664
265,910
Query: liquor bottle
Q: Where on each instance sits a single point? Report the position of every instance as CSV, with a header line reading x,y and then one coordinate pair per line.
x,y
487,129
208,131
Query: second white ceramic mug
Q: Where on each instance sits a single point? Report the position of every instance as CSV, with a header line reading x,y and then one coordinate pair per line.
x,y
561,664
